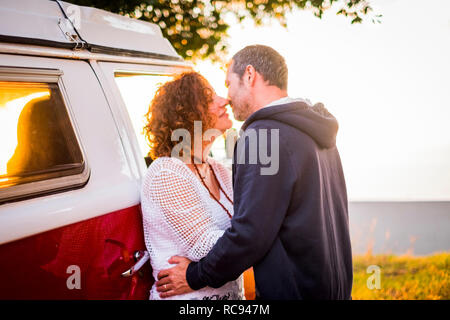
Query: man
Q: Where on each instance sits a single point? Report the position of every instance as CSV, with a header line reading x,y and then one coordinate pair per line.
x,y
290,225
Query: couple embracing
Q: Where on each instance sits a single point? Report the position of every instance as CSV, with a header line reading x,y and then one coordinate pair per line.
x,y
204,226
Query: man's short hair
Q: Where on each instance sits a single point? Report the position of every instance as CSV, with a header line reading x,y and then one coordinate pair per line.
x,y
266,61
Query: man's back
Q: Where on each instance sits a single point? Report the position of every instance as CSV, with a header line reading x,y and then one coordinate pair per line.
x,y
310,258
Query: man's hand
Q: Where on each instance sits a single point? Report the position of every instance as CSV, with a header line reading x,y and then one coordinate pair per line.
x,y
172,282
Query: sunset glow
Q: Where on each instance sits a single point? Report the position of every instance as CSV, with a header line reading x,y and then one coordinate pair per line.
x,y
387,84
9,115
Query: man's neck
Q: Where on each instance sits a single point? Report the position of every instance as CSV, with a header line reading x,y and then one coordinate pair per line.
x,y
268,98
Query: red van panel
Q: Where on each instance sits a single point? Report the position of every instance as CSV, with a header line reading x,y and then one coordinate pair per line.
x,y
38,267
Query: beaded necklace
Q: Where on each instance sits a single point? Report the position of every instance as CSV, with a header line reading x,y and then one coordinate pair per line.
x,y
220,188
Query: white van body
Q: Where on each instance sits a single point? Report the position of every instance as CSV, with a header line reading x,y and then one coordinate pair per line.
x,y
81,52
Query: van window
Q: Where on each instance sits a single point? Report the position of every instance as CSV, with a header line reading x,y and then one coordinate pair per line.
x,y
137,92
37,138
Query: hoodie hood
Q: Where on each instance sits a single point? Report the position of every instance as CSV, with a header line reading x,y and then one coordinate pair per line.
x,y
315,120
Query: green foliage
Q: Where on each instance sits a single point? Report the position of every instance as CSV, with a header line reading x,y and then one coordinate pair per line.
x,y
196,28
403,277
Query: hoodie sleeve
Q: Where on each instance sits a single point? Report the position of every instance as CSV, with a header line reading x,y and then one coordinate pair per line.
x,y
261,201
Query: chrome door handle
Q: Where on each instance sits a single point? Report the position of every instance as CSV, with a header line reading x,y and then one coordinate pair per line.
x,y
141,260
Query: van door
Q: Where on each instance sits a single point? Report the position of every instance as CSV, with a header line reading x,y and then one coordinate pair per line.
x,y
132,87
70,220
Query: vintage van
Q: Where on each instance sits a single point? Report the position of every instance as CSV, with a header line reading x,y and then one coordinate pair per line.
x,y
72,82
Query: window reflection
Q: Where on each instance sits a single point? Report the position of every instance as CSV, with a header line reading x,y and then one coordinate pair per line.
x,y
37,139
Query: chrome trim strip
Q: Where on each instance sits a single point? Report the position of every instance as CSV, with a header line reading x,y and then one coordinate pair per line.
x,y
42,51
29,74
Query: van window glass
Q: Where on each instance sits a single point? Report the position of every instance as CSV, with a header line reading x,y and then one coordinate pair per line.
x,y
137,92
37,138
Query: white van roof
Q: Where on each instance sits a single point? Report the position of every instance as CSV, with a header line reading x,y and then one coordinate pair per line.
x,y
64,25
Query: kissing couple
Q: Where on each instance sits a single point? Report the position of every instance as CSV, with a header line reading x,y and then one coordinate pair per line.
x,y
204,226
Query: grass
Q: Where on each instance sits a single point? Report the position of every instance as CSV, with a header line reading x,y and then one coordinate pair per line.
x,y
403,277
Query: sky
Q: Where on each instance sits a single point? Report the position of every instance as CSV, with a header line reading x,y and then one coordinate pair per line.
x,y
388,85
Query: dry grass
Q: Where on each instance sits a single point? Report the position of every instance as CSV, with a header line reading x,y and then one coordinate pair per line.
x,y
403,277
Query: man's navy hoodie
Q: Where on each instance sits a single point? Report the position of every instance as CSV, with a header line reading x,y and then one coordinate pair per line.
x,y
292,227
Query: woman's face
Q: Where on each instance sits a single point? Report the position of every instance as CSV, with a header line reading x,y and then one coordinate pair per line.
x,y
219,111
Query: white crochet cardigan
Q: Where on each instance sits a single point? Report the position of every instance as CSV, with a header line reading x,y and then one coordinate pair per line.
x,y
180,218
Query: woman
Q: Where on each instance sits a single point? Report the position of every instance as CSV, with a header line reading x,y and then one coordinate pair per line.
x,y
186,205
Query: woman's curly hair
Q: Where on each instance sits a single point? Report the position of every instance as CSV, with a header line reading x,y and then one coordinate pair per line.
x,y
176,105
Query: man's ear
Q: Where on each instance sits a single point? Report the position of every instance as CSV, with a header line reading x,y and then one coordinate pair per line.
x,y
249,75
